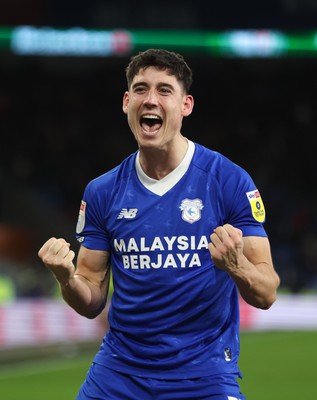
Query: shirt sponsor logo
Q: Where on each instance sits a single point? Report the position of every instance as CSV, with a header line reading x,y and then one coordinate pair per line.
x,y
191,210
257,206
161,252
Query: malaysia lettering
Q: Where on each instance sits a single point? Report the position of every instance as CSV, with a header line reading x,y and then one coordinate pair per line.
x,y
162,244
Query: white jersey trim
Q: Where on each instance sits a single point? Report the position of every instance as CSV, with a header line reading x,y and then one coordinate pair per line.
x,y
162,186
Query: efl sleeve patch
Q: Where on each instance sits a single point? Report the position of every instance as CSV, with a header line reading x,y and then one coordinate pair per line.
x,y
81,217
257,206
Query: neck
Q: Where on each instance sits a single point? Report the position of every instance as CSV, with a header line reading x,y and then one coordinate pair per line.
x,y
159,162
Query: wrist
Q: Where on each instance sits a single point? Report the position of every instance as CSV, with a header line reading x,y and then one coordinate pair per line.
x,y
239,267
64,278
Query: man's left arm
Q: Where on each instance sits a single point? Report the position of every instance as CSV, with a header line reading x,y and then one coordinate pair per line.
x,y
248,261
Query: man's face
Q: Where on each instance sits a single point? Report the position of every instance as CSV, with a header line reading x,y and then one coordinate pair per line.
x,y
155,105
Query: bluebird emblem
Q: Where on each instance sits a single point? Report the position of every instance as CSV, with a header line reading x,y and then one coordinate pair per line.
x,y
191,210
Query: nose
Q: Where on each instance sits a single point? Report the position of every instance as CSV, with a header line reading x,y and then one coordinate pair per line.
x,y
151,98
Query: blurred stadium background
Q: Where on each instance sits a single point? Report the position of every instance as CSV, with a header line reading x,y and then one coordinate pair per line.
x,y
61,85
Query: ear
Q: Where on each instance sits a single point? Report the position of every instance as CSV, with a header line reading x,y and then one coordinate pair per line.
x,y
188,105
125,102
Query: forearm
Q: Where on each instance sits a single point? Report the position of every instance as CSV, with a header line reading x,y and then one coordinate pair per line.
x,y
84,288
84,297
257,284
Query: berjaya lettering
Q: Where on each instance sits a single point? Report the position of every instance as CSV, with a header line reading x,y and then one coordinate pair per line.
x,y
144,261
163,246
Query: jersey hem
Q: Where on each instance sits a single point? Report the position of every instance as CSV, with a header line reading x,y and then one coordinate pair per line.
x,y
171,374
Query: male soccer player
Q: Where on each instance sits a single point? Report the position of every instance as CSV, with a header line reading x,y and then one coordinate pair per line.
x,y
180,226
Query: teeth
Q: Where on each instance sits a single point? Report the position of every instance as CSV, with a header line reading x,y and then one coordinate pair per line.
x,y
151,116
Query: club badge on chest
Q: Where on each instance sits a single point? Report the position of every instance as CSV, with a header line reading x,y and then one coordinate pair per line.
x,y
191,210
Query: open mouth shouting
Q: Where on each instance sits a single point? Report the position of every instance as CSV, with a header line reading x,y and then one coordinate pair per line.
x,y
150,123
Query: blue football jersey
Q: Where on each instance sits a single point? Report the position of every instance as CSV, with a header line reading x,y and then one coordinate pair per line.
x,y
173,314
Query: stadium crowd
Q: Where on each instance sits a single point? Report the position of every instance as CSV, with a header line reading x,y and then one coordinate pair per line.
x,y
62,124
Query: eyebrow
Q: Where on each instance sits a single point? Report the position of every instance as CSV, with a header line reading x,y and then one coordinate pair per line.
x,y
160,84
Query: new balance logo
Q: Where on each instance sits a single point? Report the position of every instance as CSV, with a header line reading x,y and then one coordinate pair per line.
x,y
128,214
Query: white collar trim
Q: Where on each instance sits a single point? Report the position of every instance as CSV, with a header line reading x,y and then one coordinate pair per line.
x,y
162,186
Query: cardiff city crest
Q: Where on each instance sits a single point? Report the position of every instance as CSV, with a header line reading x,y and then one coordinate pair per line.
x,y
191,210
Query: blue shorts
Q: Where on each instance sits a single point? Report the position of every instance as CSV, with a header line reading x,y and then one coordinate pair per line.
x,y
105,384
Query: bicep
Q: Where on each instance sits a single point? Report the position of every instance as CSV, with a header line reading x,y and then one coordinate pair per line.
x,y
257,250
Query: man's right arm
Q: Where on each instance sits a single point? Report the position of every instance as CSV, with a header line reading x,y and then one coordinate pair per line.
x,y
84,288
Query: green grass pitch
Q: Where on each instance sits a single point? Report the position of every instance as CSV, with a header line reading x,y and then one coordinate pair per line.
x,y
275,366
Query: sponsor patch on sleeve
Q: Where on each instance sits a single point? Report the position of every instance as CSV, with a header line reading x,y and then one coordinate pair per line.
x,y
257,206
81,217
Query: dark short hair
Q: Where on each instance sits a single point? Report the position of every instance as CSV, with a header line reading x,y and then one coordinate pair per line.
x,y
172,62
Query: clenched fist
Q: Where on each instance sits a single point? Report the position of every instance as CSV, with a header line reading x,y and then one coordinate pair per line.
x,y
58,257
226,247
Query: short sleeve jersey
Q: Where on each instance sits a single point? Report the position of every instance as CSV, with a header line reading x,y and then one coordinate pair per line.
x,y
173,314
